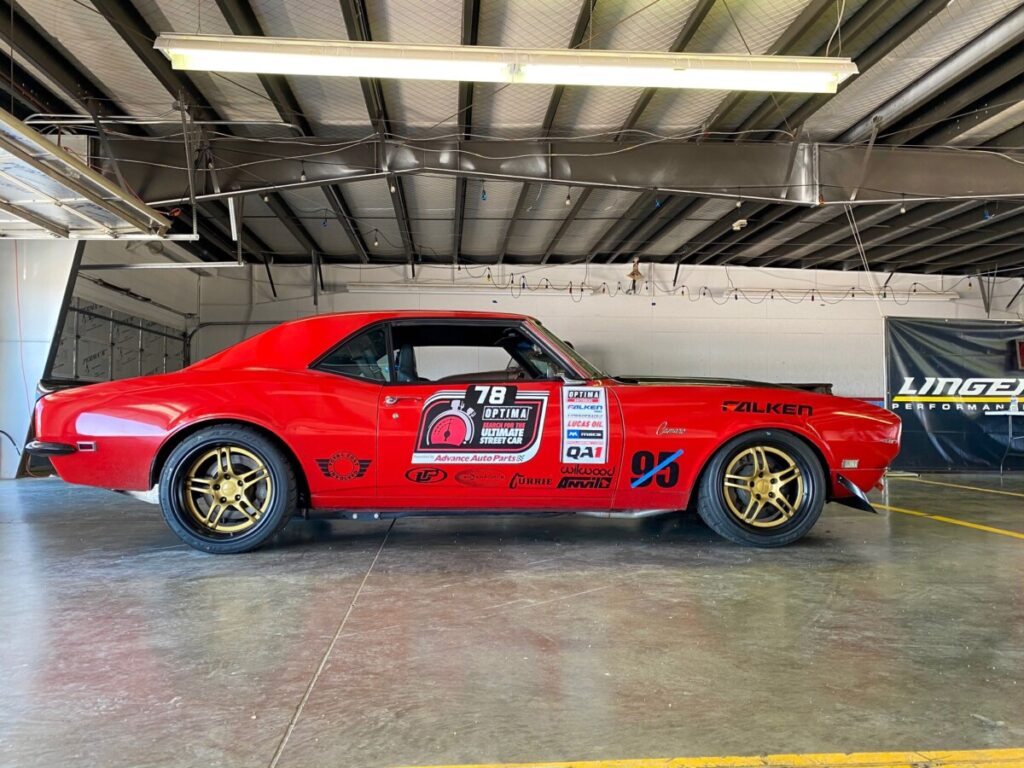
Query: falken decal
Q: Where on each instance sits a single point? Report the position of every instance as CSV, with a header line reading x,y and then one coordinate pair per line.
x,y
343,466
663,470
480,425
584,425
777,409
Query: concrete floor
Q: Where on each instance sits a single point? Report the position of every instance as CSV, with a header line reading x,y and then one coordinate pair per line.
x,y
505,639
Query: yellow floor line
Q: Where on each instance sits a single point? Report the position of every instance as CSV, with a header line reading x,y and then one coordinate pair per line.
x,y
975,758
954,521
955,485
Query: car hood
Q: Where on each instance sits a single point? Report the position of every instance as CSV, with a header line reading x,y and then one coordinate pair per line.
x,y
696,381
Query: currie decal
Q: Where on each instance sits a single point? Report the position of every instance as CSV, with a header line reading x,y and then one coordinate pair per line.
x,y
522,481
480,425
663,470
584,425
778,409
426,475
343,466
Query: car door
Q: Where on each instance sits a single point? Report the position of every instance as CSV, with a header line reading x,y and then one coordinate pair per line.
x,y
458,435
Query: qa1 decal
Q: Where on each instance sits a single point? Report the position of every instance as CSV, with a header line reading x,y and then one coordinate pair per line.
x,y
663,470
480,425
343,466
426,475
584,425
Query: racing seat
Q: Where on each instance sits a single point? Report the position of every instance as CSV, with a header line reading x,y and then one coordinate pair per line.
x,y
405,365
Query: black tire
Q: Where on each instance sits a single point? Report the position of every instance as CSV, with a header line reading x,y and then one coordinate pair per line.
x,y
737,506
259,477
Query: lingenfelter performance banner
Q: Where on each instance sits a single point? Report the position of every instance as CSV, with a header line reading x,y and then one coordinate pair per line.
x,y
951,382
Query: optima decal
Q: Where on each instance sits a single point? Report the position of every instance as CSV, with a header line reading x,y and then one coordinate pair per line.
x,y
480,425
343,466
584,425
776,409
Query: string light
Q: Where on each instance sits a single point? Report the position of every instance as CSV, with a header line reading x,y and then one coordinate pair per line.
x,y
302,175
483,191
376,242
568,199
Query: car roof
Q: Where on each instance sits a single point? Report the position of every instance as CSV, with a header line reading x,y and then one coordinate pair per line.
x,y
294,344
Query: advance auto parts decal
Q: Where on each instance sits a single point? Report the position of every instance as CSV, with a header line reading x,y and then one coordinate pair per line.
x,y
480,425
584,425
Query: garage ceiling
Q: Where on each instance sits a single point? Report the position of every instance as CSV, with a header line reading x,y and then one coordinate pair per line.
x,y
933,73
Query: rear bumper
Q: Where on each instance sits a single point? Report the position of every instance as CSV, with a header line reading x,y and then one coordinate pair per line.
x,y
40,448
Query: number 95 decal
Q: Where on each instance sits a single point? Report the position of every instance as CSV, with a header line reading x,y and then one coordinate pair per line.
x,y
663,470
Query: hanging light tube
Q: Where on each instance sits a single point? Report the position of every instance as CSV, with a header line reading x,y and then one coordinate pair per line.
x,y
633,69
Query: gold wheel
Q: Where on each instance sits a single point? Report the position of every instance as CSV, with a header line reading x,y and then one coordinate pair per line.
x,y
763,486
227,490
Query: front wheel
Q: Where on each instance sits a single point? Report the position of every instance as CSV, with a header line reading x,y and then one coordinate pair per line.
x,y
762,489
227,489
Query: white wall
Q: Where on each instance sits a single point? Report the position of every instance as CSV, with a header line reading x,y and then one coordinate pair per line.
x,y
33,280
655,332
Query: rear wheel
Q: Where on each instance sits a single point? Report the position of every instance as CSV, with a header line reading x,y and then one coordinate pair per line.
x,y
227,489
762,489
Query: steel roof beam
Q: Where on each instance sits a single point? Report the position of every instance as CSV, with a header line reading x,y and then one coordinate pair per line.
x,y
668,210
567,222
357,24
243,21
470,34
28,92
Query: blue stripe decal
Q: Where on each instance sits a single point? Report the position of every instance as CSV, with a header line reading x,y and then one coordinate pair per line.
x,y
657,469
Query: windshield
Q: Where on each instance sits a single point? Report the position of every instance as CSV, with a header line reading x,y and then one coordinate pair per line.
x,y
567,350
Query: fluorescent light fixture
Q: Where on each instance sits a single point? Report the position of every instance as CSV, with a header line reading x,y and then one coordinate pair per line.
x,y
634,69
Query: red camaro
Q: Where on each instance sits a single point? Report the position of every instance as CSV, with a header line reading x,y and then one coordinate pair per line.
x,y
382,414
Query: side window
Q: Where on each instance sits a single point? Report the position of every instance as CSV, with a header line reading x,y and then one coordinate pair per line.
x,y
364,356
461,353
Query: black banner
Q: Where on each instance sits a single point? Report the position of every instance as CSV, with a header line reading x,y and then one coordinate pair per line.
x,y
952,383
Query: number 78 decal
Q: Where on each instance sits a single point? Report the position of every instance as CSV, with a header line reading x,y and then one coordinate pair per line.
x,y
664,471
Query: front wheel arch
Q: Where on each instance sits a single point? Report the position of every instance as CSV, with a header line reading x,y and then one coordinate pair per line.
x,y
176,438
818,452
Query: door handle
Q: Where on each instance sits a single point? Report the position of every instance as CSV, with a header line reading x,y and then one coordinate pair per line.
x,y
394,399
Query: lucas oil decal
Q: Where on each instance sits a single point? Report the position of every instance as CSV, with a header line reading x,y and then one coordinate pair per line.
x,y
480,425
584,425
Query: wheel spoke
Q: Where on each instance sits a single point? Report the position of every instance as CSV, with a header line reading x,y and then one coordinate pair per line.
x,y
737,481
254,475
224,460
786,475
199,485
244,505
215,514
782,504
753,509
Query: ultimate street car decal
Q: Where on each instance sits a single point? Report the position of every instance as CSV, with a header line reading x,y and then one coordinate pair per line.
x,y
584,425
480,425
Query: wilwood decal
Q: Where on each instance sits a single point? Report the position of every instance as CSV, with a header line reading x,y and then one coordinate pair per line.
x,y
777,409
586,478
584,425
480,425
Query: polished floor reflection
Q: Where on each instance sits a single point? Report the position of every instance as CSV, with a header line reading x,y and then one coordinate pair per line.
x,y
507,639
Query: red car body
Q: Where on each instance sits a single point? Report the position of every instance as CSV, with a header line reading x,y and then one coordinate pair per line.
x,y
355,444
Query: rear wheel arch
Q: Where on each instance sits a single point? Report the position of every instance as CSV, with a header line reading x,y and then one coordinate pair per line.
x,y
184,433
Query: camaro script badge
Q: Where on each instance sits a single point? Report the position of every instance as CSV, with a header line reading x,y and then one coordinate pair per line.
x,y
665,429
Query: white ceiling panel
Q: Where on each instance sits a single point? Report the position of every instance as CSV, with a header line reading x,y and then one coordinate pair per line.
x,y
487,220
517,111
544,214
625,25
709,212
431,204
236,96
673,110
953,27
318,217
99,50
257,217
417,107
334,105
603,208
370,202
